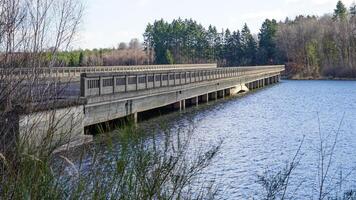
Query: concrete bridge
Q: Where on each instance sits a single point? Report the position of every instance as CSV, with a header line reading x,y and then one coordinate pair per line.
x,y
114,95
109,96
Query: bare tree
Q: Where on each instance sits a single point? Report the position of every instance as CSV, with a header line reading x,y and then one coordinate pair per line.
x,y
32,32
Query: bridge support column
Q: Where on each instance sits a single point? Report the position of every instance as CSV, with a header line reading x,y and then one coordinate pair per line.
x,y
195,101
135,115
183,104
205,98
178,105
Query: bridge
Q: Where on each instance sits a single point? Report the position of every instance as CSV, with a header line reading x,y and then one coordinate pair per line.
x,y
111,95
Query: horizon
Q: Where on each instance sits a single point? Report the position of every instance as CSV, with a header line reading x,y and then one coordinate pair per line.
x,y
106,32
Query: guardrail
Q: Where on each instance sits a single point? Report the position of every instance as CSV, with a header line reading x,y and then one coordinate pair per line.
x,y
109,83
76,71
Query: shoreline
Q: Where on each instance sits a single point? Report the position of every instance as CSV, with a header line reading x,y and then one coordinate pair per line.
x,y
320,79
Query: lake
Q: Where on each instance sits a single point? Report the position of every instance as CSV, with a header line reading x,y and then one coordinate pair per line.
x,y
262,131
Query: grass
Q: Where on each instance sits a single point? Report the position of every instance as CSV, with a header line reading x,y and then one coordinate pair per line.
x,y
140,166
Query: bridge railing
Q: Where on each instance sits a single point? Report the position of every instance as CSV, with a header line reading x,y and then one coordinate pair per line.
x,y
76,71
109,83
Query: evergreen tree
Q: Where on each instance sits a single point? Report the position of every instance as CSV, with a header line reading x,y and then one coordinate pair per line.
x,y
340,12
158,33
237,53
267,51
228,48
233,52
81,58
249,47
211,36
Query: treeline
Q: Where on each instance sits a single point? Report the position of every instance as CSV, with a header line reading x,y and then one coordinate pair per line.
x,y
186,41
310,46
125,54
315,47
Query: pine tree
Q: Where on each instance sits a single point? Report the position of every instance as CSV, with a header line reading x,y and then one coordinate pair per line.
x,y
340,12
81,58
267,47
249,47
238,53
228,47
211,36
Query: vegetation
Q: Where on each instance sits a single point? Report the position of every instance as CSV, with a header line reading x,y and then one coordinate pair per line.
x,y
310,46
320,46
131,54
186,41
135,166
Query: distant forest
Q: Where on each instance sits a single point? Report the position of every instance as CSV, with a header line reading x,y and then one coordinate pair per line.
x,y
309,46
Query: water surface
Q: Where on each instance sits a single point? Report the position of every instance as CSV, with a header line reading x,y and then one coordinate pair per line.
x,y
263,130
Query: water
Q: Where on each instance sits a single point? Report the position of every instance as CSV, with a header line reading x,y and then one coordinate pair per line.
x,y
263,130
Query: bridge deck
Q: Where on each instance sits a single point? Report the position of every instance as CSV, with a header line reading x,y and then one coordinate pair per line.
x,y
111,83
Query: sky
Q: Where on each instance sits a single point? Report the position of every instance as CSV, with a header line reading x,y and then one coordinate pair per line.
x,y
106,23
